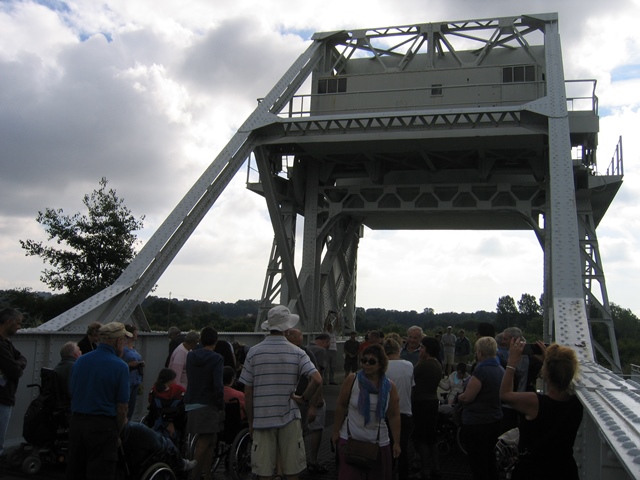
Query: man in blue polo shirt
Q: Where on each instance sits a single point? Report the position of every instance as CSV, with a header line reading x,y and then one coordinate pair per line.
x,y
99,398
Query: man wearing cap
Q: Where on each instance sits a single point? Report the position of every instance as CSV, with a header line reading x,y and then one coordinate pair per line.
x,y
99,397
270,376
449,349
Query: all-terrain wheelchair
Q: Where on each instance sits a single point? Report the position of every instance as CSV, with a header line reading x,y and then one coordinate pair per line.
x,y
45,427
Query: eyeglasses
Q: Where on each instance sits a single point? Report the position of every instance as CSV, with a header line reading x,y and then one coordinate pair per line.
x,y
369,361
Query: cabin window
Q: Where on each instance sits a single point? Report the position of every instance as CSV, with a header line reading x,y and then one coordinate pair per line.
x,y
332,85
436,90
518,74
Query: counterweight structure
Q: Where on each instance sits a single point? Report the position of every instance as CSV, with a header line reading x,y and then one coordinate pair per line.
x,y
462,125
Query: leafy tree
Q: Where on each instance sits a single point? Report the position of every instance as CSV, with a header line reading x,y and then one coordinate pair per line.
x,y
528,306
506,313
99,244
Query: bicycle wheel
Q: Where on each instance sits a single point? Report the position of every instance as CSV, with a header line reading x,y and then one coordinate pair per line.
x,y
240,456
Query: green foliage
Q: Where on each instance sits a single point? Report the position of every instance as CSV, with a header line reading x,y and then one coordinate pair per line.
x,y
528,306
98,245
506,313
190,314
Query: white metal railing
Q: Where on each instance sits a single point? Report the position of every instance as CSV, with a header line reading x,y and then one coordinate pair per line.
x,y
584,99
616,166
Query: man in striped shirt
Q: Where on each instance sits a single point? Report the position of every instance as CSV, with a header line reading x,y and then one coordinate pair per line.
x,y
270,375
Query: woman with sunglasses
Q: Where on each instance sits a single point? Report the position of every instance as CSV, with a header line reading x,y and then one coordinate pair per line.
x,y
366,398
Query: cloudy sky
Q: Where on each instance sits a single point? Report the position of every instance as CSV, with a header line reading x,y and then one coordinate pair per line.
x,y
147,92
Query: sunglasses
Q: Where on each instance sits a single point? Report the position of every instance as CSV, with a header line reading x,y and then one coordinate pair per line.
x,y
369,361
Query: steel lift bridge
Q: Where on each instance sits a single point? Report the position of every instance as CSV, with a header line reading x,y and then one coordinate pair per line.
x,y
456,125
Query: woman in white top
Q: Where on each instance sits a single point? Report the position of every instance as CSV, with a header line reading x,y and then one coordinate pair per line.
x,y
365,399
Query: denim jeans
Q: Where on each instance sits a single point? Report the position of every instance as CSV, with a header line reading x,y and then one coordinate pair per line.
x,y
5,415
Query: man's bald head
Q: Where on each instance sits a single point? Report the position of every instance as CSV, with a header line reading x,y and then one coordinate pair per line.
x,y
294,335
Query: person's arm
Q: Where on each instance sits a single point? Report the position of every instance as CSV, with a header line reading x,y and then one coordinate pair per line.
x,y
315,381
342,404
523,402
248,405
471,392
393,416
445,383
12,363
121,416
317,401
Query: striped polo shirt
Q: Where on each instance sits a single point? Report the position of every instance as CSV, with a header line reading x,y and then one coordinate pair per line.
x,y
273,368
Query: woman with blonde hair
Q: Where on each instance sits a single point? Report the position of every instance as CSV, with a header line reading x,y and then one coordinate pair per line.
x,y
551,420
482,410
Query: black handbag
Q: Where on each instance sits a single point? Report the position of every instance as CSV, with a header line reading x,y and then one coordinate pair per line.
x,y
360,454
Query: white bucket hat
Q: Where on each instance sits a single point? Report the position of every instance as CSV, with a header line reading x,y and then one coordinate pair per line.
x,y
280,318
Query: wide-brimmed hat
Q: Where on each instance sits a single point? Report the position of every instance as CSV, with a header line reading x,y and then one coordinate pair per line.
x,y
280,318
114,330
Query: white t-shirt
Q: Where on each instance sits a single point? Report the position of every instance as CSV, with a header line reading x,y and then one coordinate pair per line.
x,y
400,372
178,363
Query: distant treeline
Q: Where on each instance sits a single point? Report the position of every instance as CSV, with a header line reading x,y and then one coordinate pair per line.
x,y
240,316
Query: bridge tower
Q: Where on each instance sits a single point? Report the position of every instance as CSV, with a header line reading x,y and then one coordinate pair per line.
x,y
449,125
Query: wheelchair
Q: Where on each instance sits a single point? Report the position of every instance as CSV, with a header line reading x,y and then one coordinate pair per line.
x,y
234,445
45,427
146,454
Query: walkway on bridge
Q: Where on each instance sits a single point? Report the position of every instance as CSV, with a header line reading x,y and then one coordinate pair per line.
x,y
454,464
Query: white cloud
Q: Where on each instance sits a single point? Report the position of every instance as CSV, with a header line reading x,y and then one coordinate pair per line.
x,y
147,93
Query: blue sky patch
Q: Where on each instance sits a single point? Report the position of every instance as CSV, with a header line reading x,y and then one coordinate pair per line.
x,y
625,72
55,5
305,34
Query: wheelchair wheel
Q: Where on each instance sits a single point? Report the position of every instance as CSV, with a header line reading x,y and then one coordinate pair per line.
x,y
191,449
240,456
158,471
31,465
460,441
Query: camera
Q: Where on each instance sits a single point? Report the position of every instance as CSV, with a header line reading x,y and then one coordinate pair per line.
x,y
533,349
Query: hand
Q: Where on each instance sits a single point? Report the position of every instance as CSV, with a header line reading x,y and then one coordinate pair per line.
x,y
516,349
335,438
298,399
311,414
396,450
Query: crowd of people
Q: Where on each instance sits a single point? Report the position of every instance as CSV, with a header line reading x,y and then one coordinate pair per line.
x,y
393,391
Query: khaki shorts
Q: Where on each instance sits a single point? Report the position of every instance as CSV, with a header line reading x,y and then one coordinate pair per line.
x,y
203,420
287,441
